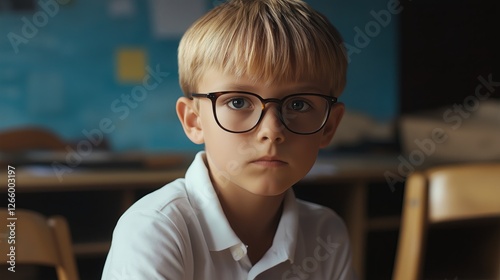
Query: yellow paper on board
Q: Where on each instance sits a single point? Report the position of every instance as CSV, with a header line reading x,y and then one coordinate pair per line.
x,y
131,65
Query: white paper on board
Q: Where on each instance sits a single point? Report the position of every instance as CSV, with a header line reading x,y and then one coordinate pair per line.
x,y
171,18
121,8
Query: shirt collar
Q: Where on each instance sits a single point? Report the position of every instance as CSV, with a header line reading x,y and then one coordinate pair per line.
x,y
285,239
218,233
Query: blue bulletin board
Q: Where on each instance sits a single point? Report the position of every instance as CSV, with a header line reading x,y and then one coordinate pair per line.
x,y
71,65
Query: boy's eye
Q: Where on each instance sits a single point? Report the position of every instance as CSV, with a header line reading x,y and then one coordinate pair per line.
x,y
298,105
239,103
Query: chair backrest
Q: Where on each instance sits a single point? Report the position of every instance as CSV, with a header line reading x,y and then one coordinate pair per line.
x,y
30,138
38,241
438,196
464,192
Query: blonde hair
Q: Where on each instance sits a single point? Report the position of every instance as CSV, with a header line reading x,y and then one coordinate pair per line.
x,y
265,40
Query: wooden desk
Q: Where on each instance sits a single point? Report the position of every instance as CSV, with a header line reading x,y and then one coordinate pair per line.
x,y
125,183
44,180
356,175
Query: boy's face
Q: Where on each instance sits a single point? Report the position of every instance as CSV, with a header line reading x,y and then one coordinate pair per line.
x,y
266,160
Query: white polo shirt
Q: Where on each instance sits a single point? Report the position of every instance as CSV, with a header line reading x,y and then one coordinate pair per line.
x,y
180,232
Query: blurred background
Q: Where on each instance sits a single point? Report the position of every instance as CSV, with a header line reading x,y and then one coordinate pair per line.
x,y
66,65
95,82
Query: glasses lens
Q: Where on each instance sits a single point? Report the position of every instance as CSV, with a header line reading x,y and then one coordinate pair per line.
x,y
238,112
304,113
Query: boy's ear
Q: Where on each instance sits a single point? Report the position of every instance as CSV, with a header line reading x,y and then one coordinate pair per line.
x,y
190,119
332,124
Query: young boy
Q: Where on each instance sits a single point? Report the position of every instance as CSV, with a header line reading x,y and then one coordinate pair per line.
x,y
261,79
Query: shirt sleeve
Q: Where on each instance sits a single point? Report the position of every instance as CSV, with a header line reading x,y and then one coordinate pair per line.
x,y
149,245
345,270
331,239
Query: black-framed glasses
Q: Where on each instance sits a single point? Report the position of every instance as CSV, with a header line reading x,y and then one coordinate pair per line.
x,y
239,111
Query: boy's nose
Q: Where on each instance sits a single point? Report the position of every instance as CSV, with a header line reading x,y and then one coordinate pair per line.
x,y
271,128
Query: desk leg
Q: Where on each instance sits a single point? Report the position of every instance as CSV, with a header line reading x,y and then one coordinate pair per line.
x,y
356,223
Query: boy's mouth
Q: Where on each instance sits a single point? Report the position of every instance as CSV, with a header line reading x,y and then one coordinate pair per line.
x,y
269,161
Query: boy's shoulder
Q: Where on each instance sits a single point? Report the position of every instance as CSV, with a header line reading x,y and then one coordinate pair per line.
x,y
170,197
310,210
163,196
320,218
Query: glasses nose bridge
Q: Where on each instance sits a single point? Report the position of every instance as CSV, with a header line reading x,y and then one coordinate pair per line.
x,y
278,102
277,111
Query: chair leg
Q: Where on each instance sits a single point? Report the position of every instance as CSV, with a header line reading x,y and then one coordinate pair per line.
x,y
68,270
409,264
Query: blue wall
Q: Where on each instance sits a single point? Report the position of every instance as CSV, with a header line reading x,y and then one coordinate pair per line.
x,y
63,78
372,80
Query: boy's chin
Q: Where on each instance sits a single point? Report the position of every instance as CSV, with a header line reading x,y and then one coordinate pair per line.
x,y
266,189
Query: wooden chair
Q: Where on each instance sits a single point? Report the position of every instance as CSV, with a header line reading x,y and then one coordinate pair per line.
x,y
39,241
455,195
30,138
